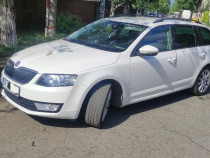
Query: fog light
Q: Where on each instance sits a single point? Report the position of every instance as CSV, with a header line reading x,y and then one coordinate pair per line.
x,y
46,107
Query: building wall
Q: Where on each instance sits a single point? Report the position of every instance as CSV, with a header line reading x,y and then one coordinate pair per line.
x,y
203,4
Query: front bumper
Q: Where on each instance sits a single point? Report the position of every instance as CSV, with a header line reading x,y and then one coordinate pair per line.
x,y
30,93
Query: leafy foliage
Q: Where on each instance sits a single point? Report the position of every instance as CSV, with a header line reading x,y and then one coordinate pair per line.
x,y
180,5
27,39
175,8
67,23
154,5
164,6
205,18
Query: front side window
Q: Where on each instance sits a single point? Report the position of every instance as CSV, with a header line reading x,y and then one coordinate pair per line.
x,y
184,37
205,35
107,35
159,37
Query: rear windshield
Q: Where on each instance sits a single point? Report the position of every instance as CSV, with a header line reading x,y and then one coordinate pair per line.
x,y
107,35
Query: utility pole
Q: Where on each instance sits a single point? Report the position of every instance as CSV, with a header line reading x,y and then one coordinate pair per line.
x,y
102,9
147,8
50,24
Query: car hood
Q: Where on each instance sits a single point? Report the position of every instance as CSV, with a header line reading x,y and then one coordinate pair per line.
x,y
63,57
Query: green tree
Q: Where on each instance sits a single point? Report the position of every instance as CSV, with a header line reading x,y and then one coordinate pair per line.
x,y
154,5
180,5
175,8
164,6
205,18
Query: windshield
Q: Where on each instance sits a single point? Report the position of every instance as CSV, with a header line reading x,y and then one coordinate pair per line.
x,y
107,35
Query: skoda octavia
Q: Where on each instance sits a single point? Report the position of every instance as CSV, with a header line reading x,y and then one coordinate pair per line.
x,y
114,61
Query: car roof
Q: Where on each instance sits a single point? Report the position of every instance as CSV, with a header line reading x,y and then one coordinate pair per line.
x,y
151,21
134,20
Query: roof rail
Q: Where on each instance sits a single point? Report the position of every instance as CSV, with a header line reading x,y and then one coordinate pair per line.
x,y
181,19
131,15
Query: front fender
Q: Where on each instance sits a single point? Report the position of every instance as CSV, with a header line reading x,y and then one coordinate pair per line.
x,y
86,81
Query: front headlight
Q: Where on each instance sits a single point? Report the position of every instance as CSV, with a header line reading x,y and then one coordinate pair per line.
x,y
49,80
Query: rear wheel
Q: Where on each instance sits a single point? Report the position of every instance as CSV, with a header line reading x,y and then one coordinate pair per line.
x,y
98,105
202,83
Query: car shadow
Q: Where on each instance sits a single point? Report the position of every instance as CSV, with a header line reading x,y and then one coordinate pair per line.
x,y
117,116
79,123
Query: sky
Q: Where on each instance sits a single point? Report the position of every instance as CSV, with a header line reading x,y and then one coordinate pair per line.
x,y
172,1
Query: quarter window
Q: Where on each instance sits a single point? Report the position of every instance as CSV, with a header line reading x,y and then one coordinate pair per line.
x,y
159,37
184,37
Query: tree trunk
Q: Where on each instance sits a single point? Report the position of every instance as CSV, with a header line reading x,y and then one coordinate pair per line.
x,y
112,10
114,7
51,11
127,7
8,36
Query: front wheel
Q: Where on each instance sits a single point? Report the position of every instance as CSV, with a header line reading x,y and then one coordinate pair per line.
x,y
202,83
98,105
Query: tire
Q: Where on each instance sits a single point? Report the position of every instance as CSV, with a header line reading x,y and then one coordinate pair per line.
x,y
202,83
98,105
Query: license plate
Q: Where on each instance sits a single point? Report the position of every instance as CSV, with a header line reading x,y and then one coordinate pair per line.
x,y
4,82
12,88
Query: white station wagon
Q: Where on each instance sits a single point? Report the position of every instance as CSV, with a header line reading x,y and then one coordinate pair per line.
x,y
115,61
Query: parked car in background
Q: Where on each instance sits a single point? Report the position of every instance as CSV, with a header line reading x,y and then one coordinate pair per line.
x,y
176,15
152,14
160,15
114,61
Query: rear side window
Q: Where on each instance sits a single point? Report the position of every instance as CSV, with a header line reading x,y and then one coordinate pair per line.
x,y
159,37
184,37
205,35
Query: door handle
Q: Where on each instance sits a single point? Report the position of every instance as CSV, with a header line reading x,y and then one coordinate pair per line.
x,y
172,60
202,55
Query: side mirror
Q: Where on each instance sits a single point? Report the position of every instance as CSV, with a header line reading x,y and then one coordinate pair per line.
x,y
148,50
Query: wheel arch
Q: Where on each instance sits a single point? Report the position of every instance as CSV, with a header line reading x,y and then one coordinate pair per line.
x,y
198,72
117,92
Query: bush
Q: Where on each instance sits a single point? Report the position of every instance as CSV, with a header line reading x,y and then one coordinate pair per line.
x,y
5,51
205,18
27,39
67,23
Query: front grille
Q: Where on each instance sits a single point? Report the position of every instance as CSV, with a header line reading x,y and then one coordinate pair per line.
x,y
27,104
21,75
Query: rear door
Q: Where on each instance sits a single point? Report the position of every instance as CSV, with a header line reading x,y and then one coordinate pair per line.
x,y
184,42
203,46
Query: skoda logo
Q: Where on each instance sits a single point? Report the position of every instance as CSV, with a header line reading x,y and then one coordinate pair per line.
x,y
17,64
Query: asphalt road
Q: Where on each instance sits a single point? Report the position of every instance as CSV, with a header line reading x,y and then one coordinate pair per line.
x,y
174,126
